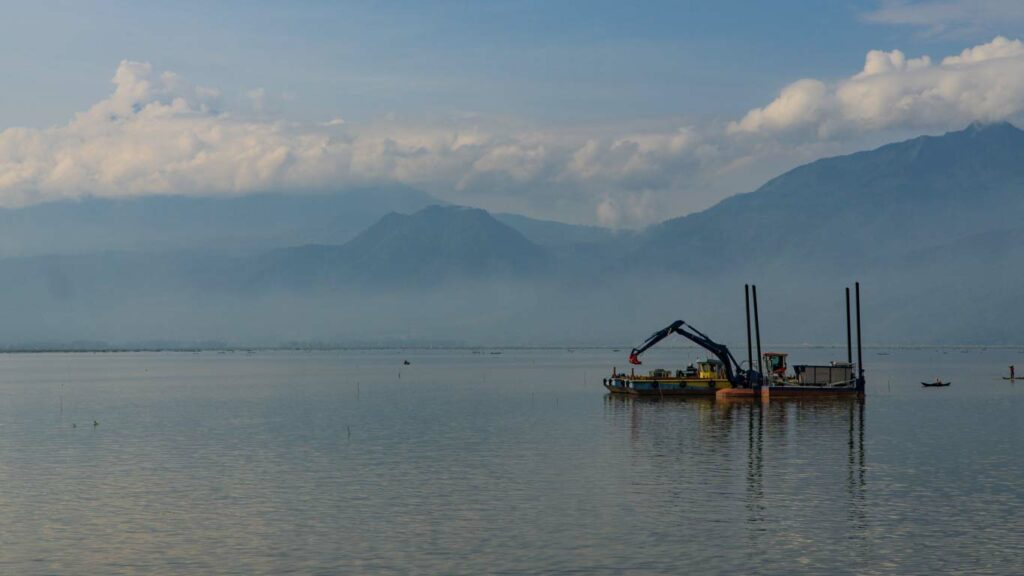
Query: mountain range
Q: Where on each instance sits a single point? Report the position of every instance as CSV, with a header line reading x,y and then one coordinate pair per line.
x,y
864,208
931,225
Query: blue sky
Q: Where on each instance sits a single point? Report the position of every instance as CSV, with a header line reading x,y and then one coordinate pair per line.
x,y
546,60
528,85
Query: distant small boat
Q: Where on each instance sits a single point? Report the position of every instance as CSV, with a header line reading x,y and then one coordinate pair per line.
x,y
936,383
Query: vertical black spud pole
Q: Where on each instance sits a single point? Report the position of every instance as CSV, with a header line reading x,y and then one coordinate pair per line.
x,y
757,333
750,348
860,354
849,344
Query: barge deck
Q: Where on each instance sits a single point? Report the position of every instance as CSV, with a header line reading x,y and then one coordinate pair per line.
x,y
722,376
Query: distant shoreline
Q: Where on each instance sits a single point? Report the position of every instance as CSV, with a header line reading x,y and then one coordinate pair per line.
x,y
466,348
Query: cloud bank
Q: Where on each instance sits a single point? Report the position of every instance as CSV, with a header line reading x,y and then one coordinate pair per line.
x,y
156,133
892,91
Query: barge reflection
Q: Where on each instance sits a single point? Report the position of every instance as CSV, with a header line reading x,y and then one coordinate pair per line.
x,y
751,450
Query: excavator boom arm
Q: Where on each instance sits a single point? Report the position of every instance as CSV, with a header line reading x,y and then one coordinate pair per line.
x,y
634,355
697,337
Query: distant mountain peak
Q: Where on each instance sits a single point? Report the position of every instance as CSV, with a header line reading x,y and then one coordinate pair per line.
x,y
997,130
453,210
441,241
990,126
438,214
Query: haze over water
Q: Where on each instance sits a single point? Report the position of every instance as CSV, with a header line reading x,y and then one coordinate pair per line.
x,y
462,462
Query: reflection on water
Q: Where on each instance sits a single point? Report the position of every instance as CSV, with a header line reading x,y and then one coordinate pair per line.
x,y
461,463
680,437
811,499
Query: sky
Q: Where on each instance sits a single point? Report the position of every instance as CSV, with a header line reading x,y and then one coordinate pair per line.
x,y
611,113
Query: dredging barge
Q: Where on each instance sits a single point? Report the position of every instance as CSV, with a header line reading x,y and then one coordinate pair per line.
x,y
723,376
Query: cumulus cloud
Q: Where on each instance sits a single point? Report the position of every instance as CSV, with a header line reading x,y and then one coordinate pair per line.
x,y
801,103
158,134
892,91
522,163
998,48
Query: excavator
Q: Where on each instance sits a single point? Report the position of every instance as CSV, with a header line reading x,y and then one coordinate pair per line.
x,y
734,373
712,376
709,376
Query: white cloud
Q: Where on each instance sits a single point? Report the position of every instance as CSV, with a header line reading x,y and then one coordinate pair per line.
x,y
617,211
950,16
521,163
635,159
983,83
801,103
998,48
158,134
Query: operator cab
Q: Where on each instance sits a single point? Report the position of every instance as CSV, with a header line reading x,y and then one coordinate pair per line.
x,y
775,362
711,369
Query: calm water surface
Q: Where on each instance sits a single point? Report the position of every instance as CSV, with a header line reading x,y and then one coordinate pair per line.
x,y
350,462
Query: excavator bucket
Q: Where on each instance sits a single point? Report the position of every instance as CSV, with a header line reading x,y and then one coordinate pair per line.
x,y
633,359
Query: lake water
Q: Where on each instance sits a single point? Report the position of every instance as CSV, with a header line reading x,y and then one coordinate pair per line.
x,y
471,463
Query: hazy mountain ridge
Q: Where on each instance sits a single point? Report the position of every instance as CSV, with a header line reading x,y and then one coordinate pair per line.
x,y
163,223
443,241
931,226
242,224
434,245
865,208
554,234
